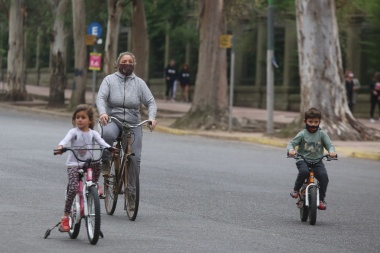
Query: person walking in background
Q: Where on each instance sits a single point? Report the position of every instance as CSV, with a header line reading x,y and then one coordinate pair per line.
x,y
170,77
352,84
375,95
184,79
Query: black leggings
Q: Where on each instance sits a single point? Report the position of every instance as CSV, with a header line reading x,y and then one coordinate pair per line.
x,y
374,101
320,173
169,88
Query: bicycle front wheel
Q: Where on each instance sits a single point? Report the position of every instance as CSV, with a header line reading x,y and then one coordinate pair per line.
x,y
131,188
313,205
93,216
110,187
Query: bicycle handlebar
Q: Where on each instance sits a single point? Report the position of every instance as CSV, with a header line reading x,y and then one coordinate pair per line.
x,y
313,161
63,150
126,125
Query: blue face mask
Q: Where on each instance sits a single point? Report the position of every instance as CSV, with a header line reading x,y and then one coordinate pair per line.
x,y
311,129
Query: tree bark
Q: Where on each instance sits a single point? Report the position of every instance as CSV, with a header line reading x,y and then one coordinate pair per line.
x,y
115,8
16,66
58,53
321,73
139,38
210,104
80,71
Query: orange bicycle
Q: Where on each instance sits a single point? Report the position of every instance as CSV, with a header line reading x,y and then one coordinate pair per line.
x,y
308,197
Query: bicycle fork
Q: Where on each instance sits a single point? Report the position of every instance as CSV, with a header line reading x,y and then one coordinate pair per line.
x,y
311,183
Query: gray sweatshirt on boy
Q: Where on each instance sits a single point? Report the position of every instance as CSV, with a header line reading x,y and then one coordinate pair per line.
x,y
120,96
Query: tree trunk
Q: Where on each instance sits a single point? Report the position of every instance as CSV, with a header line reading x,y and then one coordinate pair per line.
x,y
58,53
115,8
139,38
80,71
16,66
210,104
320,65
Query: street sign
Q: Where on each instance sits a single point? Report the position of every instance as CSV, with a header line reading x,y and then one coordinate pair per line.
x,y
90,40
94,29
95,61
225,41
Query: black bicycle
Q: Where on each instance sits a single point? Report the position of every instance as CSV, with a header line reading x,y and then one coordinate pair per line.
x,y
124,172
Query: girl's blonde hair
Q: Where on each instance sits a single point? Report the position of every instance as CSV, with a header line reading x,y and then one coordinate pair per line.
x,y
90,113
116,64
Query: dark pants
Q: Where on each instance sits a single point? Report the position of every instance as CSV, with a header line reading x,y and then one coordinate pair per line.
x,y
374,101
320,173
169,88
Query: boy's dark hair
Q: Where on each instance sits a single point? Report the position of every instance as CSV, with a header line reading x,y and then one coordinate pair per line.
x,y
313,113
90,113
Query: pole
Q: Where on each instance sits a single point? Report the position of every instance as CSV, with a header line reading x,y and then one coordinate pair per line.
x,y
94,77
270,75
231,85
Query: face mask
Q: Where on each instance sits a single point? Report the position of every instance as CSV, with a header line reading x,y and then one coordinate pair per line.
x,y
311,129
126,69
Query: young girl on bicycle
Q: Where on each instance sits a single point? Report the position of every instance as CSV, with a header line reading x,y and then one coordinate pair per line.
x,y
81,136
311,142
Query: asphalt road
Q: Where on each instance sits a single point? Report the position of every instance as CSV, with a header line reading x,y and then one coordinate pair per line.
x,y
197,195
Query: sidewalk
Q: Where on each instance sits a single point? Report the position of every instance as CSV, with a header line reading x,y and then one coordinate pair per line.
x,y
169,111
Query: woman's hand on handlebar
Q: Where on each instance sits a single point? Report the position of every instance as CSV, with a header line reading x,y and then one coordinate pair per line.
x,y
153,124
103,118
113,150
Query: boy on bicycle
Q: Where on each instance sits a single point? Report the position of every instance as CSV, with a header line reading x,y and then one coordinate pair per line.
x,y
311,143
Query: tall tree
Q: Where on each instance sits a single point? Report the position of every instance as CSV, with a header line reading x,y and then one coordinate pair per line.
x,y
58,42
321,74
80,71
210,104
16,66
139,38
115,8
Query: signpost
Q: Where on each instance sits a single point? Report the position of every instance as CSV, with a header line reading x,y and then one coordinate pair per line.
x,y
94,31
227,41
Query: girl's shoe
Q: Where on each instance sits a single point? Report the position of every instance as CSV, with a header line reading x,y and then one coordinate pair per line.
x,y
64,227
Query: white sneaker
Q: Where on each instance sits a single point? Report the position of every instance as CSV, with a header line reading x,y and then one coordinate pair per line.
x,y
372,120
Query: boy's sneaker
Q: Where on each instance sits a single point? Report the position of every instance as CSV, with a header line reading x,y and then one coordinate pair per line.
x,y
106,168
322,205
294,194
64,227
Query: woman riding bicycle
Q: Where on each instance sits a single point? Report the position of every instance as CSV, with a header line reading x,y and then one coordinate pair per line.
x,y
120,96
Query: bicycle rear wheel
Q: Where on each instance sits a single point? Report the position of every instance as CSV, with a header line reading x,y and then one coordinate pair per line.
x,y
131,188
110,187
313,205
93,217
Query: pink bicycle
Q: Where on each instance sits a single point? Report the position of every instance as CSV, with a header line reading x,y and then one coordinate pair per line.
x,y
86,203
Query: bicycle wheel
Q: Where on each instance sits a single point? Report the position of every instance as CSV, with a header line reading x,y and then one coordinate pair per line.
x,y
93,217
74,227
304,212
313,205
131,188
110,187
